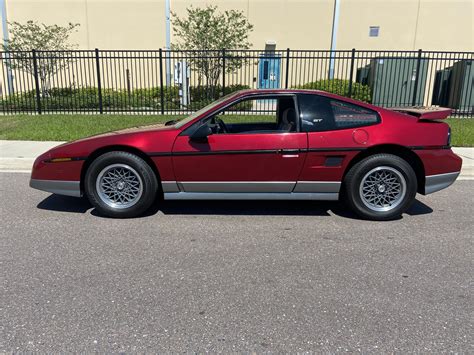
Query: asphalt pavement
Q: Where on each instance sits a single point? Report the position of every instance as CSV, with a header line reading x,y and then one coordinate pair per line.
x,y
234,276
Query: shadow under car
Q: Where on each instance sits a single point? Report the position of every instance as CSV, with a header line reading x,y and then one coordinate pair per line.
x,y
58,203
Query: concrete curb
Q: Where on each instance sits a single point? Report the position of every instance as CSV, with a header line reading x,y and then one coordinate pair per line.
x,y
18,156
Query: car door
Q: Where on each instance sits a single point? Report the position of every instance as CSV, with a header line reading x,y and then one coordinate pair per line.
x,y
257,153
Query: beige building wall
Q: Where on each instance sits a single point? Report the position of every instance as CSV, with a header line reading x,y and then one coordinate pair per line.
x,y
298,24
105,24
407,24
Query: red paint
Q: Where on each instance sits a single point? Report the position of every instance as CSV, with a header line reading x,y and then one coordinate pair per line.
x,y
267,166
360,136
160,143
439,161
425,113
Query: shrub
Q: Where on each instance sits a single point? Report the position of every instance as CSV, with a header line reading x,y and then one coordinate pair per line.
x,y
25,101
87,98
340,87
56,99
204,95
70,98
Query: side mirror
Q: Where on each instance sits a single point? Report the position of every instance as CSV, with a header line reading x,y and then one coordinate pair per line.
x,y
201,134
170,123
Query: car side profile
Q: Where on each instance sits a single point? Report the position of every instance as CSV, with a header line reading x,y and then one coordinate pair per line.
x,y
262,144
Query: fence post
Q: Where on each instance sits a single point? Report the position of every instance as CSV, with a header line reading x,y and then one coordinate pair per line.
x,y
287,67
351,73
223,72
37,84
415,88
162,94
99,83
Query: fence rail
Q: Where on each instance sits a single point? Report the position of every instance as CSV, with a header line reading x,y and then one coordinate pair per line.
x,y
159,81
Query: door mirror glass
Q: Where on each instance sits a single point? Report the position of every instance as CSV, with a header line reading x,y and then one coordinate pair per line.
x,y
201,134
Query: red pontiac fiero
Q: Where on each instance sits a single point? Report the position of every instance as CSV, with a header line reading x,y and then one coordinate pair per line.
x,y
262,144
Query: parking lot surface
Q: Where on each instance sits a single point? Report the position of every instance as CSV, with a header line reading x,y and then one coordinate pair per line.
x,y
234,276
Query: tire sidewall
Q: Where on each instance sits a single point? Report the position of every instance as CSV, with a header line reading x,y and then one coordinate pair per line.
x,y
149,182
358,172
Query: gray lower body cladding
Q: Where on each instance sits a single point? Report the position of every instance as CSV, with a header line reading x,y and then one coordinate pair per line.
x,y
243,190
438,182
251,190
67,188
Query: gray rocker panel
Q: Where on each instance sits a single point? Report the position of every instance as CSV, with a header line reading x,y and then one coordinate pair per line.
x,y
237,186
251,190
250,196
252,186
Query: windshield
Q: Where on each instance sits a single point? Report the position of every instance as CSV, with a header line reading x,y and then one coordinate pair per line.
x,y
204,109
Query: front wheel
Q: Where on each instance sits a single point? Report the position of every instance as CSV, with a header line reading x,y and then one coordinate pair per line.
x,y
120,184
381,187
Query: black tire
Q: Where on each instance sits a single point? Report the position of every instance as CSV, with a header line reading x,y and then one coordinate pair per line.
x,y
359,196
139,173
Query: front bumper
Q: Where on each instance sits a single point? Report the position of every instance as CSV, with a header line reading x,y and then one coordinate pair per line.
x,y
68,188
62,178
438,182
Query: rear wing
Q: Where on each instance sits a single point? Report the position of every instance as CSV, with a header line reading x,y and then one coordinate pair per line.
x,y
425,113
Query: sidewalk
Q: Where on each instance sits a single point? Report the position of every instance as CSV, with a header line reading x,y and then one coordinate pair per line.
x,y
20,155
467,155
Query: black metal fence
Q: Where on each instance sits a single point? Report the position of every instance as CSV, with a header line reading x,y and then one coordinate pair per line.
x,y
159,81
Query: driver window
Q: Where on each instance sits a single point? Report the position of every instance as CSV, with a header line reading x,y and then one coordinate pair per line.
x,y
257,115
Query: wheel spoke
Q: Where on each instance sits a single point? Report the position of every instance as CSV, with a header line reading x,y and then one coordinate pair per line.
x,y
382,188
119,186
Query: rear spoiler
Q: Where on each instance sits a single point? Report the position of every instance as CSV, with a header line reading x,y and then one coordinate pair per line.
x,y
425,113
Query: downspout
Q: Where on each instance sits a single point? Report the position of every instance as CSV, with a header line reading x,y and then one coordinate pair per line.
x,y
6,38
335,25
168,43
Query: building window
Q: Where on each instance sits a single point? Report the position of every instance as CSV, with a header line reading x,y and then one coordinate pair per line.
x,y
374,31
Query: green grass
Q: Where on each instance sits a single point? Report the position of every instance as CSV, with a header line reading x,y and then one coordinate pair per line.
x,y
462,131
58,127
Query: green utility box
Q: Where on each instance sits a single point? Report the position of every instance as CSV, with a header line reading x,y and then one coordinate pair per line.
x,y
461,86
441,87
392,81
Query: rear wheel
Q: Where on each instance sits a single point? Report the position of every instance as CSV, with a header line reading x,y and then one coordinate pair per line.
x,y
120,184
380,187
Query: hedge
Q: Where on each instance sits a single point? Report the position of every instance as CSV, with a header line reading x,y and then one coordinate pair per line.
x,y
87,98
340,87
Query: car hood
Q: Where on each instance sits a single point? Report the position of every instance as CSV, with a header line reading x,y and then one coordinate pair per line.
x,y
123,132
143,138
138,129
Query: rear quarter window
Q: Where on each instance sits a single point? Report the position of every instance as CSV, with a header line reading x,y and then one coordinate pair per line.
x,y
320,113
315,112
347,115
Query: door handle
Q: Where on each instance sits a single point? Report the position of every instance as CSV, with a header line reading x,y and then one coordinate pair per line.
x,y
289,151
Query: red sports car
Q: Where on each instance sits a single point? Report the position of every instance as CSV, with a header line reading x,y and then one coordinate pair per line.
x,y
262,144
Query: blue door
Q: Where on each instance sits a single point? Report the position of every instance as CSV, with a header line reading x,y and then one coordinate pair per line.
x,y
269,71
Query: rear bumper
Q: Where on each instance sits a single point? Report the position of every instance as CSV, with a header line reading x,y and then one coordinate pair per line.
x,y
438,182
442,167
68,188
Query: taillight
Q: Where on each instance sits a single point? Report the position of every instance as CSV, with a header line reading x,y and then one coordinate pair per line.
x,y
449,137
